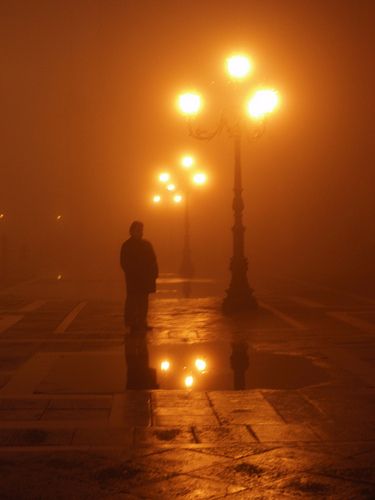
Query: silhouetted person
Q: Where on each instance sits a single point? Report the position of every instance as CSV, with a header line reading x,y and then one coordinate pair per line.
x,y
138,261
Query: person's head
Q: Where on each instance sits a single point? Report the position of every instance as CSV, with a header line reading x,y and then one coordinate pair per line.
x,y
136,229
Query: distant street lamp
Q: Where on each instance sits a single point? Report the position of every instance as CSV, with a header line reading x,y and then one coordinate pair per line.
x,y
180,191
239,294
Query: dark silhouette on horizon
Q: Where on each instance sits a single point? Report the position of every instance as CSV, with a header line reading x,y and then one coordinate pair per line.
x,y
138,261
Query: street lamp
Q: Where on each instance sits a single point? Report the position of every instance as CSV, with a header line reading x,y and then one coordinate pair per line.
x,y
179,187
239,294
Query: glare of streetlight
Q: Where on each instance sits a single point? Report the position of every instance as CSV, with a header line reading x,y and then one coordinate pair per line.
x,y
199,178
164,177
238,66
189,103
263,101
187,161
171,187
200,364
177,198
189,381
156,198
165,365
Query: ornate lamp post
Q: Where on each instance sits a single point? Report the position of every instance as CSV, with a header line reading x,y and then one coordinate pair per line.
x,y
180,192
239,294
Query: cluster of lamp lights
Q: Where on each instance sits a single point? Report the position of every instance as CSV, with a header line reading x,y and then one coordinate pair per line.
x,y
58,217
262,102
198,178
200,366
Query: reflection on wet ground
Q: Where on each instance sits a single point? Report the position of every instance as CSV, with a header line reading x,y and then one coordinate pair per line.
x,y
172,286
228,364
215,366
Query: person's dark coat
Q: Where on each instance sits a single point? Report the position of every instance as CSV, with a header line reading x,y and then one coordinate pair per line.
x,y
139,263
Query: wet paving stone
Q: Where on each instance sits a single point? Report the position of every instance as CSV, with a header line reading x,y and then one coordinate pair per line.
x,y
301,425
157,436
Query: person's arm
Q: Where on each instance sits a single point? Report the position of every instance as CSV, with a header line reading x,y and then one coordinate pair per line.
x,y
154,270
154,263
122,257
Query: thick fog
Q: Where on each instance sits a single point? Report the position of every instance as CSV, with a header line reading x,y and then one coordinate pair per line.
x,y
88,120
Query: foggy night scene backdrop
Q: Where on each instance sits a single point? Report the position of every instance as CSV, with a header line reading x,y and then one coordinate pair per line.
x,y
89,118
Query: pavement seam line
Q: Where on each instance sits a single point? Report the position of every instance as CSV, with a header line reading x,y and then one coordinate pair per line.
x,y
361,324
273,407
195,435
252,433
32,306
70,317
213,409
313,404
307,302
284,317
9,320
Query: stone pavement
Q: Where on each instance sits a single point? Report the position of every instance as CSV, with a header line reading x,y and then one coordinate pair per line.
x,y
299,425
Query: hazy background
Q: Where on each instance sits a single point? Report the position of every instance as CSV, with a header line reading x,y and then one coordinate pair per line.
x,y
88,118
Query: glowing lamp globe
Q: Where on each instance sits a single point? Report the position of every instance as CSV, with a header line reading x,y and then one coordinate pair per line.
x,y
200,178
189,103
262,103
238,66
164,177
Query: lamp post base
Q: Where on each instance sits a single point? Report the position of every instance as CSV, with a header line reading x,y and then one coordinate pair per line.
x,y
239,301
186,269
240,296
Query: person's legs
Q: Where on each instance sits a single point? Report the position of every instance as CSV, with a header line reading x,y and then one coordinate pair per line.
x,y
136,308
143,309
130,310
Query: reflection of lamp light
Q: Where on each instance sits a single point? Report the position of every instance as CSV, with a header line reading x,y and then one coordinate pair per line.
x,y
187,161
165,365
164,177
177,198
189,381
199,178
59,277
59,217
1,216
200,364
171,187
156,198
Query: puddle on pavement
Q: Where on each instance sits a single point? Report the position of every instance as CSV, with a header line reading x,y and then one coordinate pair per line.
x,y
219,366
